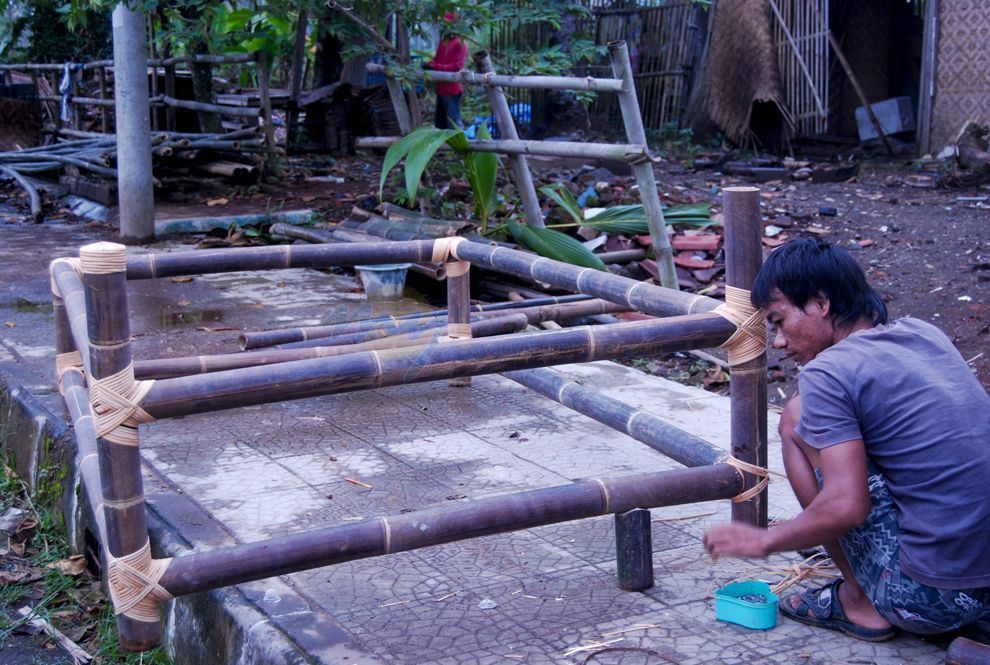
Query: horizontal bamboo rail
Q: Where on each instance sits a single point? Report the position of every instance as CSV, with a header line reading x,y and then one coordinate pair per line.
x,y
169,398
647,298
620,151
641,425
174,367
448,523
235,111
509,81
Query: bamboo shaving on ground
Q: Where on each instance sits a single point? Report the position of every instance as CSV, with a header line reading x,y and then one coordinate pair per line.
x,y
815,567
360,483
593,646
638,626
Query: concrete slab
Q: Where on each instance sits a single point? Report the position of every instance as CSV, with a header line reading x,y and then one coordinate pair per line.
x,y
532,596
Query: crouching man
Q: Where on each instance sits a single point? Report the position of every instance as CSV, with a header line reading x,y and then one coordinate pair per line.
x,y
887,447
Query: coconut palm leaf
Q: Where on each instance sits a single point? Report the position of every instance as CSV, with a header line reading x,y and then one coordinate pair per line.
x,y
418,148
555,245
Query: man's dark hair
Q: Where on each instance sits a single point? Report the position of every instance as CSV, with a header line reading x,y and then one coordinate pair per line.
x,y
805,268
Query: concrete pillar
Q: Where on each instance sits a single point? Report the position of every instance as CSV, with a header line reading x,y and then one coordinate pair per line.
x,y
135,182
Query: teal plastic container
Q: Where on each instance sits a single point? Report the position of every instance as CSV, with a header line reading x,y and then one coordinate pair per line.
x,y
383,282
730,606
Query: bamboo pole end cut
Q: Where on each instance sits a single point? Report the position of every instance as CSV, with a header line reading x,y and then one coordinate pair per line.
x,y
103,258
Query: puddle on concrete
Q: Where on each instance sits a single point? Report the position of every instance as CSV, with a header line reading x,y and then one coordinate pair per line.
x,y
193,317
24,305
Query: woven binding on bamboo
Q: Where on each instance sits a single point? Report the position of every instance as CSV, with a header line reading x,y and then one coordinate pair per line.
x,y
66,362
445,248
750,339
73,263
133,581
103,258
116,404
746,467
456,268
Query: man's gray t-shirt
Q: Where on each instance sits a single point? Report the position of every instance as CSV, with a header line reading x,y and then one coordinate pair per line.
x,y
907,393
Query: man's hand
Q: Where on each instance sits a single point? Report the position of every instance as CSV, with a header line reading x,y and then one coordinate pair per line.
x,y
737,539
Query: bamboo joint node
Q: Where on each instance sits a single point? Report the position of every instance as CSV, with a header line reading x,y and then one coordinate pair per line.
x,y
67,362
744,468
459,330
116,403
749,341
103,258
445,248
605,495
133,581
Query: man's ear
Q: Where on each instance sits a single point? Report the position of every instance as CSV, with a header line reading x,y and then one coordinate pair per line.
x,y
821,304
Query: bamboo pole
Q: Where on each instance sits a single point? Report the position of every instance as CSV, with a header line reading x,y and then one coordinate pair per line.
x,y
748,388
104,114
73,299
511,81
459,308
399,104
235,111
296,73
619,152
173,367
444,524
645,178
34,198
120,464
358,371
521,175
641,425
264,81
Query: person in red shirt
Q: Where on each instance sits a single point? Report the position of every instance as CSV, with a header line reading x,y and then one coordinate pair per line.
x,y
450,57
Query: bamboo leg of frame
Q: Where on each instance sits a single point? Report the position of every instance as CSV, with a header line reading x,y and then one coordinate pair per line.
x,y
399,104
522,177
748,392
636,133
459,308
170,92
634,550
103,277
104,111
264,81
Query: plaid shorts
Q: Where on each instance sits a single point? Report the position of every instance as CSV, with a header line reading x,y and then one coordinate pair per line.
x,y
873,548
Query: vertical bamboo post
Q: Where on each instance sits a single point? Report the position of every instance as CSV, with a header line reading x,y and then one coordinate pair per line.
x,y
748,391
298,60
74,78
264,79
459,307
634,549
170,92
636,133
104,281
507,127
101,73
399,104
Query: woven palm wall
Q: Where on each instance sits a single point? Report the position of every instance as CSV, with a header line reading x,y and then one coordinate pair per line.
x,y
962,69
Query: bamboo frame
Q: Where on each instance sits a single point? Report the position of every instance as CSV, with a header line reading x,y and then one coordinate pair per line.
x,y
91,316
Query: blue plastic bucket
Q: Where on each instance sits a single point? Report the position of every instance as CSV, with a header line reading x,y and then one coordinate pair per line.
x,y
730,605
383,282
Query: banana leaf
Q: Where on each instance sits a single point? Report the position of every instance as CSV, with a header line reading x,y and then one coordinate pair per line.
x,y
418,148
562,196
555,245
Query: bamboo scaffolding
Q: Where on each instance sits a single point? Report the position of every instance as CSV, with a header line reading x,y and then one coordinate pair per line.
x,y
619,152
448,523
509,81
169,398
174,367
233,111
643,426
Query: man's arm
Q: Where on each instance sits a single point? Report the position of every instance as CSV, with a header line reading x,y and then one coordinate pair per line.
x,y
843,503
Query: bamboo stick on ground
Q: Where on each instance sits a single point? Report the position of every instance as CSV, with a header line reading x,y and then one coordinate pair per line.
x,y
33,197
448,523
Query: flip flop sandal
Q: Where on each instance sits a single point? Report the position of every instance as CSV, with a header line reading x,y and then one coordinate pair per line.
x,y
820,607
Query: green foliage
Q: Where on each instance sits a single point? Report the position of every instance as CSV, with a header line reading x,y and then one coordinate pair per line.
x,y
38,31
418,149
627,219
555,245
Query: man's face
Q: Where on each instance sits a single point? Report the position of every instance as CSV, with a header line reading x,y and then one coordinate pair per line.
x,y
801,332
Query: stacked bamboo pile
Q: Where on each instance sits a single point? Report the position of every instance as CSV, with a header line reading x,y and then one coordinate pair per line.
x,y
97,376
